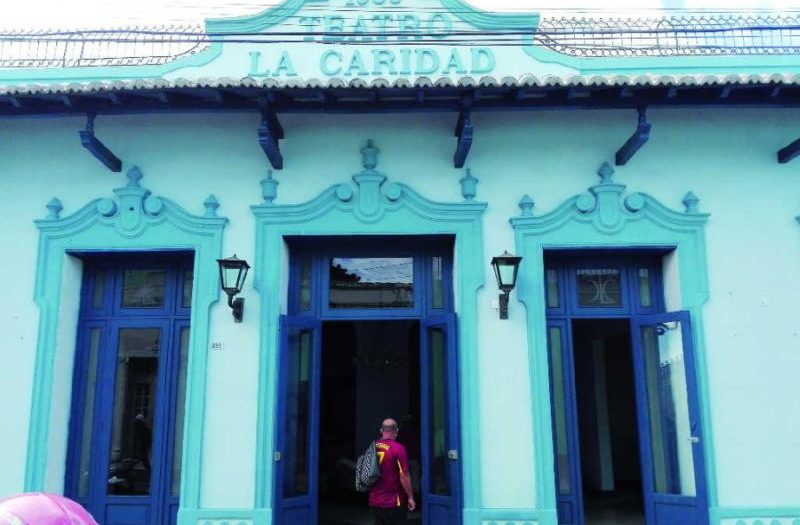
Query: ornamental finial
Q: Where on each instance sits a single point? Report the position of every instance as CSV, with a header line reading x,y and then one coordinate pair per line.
x,y
134,176
54,208
369,155
269,188
606,173
469,186
690,201
211,204
526,204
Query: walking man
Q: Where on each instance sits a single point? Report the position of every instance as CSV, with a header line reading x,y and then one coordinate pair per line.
x,y
392,496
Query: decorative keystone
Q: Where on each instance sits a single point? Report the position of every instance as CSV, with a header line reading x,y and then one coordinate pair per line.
x,y
269,188
134,176
606,173
690,201
211,204
469,186
54,208
369,155
526,204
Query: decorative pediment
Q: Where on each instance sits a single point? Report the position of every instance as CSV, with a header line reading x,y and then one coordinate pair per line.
x,y
609,209
130,212
368,198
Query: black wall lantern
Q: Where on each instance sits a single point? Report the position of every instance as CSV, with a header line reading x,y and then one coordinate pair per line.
x,y
505,270
232,273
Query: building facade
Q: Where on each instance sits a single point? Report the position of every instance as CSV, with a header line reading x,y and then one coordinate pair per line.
x,y
369,159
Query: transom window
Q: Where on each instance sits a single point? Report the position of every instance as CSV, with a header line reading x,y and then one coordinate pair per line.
x,y
602,285
363,276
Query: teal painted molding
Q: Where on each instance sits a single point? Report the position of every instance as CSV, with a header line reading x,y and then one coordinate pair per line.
x,y
223,517
458,8
755,515
108,73
134,221
605,217
516,517
664,65
370,205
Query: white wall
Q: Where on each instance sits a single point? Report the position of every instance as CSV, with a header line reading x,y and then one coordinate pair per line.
x,y
726,157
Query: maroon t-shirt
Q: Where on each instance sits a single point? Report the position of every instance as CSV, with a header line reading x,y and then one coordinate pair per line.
x,y
388,492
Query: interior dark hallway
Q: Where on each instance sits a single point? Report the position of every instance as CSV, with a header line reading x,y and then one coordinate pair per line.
x,y
609,440
370,371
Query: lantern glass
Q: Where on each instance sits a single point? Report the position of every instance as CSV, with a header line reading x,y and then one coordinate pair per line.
x,y
232,273
505,270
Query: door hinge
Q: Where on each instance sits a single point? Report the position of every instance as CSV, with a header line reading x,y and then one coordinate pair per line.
x,y
277,456
452,455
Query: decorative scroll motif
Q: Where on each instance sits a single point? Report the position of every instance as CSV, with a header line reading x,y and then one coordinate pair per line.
x,y
134,207
607,209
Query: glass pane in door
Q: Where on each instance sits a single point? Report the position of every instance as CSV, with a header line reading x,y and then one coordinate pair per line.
x,y
134,411
88,412
298,413
440,483
180,409
559,408
668,407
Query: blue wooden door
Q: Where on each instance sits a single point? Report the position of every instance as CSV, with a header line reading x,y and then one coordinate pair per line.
x,y
124,458
296,455
669,420
441,466
566,449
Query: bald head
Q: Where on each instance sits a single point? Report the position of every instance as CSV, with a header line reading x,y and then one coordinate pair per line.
x,y
389,429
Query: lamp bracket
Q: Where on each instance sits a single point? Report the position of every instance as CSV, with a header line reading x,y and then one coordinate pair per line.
x,y
237,307
503,302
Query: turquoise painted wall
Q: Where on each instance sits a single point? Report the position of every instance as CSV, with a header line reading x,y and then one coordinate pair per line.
x,y
727,157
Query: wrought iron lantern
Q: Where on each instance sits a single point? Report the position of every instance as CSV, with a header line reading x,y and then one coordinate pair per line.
x,y
232,273
506,267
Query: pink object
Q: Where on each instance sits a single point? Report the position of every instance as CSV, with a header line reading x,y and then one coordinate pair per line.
x,y
36,508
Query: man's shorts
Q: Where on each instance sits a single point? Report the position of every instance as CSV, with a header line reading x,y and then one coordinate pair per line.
x,y
393,516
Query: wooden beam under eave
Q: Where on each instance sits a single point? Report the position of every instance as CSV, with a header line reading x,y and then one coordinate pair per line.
x,y
789,152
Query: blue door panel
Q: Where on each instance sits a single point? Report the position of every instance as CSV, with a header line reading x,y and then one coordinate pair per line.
x,y
297,454
668,422
142,453
441,491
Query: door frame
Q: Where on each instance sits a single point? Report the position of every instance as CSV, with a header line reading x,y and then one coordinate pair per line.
x,y
566,266
314,253
606,217
368,204
110,318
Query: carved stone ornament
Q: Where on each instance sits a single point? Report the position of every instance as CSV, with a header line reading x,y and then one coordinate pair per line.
x,y
607,207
